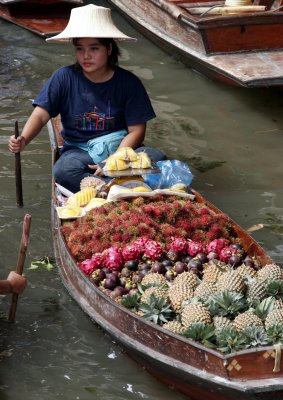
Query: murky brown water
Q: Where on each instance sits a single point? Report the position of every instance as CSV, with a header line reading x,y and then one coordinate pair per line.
x,y
232,138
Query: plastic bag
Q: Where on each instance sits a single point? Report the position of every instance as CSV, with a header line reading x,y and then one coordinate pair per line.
x,y
171,172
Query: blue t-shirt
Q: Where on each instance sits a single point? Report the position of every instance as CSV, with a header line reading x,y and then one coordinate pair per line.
x,y
89,110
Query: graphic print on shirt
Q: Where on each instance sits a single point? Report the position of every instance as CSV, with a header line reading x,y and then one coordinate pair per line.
x,y
96,120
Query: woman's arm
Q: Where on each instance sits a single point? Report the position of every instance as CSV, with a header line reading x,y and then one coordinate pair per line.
x,y
33,126
135,136
15,283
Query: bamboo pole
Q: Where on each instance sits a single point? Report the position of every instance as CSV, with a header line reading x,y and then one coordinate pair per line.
x,y
18,172
20,263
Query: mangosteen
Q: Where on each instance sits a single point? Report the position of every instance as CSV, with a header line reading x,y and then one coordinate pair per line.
x,y
202,257
106,270
110,282
125,272
235,260
172,255
117,292
167,263
137,277
98,276
132,292
180,267
144,266
195,271
249,262
195,263
132,265
158,267
186,259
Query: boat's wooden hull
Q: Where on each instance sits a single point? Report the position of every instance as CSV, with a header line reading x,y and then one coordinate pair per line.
x,y
44,18
179,362
236,51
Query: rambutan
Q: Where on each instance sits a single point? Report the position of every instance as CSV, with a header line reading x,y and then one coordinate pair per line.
x,y
77,251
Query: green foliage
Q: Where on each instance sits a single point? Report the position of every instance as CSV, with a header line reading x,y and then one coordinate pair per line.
x,y
261,309
157,310
226,304
201,332
230,340
274,288
275,333
131,301
256,336
45,262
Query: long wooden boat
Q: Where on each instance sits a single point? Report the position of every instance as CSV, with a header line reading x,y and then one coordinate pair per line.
x,y
43,17
188,366
237,47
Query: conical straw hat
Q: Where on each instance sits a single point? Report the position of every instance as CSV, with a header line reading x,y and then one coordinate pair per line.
x,y
90,21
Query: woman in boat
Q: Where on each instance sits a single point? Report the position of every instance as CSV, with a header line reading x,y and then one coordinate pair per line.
x,y
102,106
14,283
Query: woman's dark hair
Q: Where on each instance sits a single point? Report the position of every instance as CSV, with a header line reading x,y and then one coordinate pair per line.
x,y
113,58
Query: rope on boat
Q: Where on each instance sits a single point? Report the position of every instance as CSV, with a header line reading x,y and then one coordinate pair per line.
x,y
277,361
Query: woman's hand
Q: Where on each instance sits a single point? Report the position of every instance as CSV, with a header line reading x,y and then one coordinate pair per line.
x,y
17,282
16,145
96,168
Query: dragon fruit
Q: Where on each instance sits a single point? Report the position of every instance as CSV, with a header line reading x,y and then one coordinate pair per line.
x,y
226,253
113,258
88,266
179,244
216,245
153,250
194,248
132,252
140,243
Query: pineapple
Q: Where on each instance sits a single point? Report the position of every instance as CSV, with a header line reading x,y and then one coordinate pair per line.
x,y
156,291
211,272
278,304
154,279
274,317
174,326
275,333
187,278
195,312
245,271
220,322
178,294
248,318
205,289
256,290
232,281
270,272
157,310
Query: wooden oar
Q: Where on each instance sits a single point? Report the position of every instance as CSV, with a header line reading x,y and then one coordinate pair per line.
x,y
20,263
18,172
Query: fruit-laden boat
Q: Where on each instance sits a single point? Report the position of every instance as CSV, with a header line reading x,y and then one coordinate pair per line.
x,y
236,41
183,353
43,17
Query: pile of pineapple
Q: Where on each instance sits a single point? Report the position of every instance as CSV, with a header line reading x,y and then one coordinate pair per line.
x,y
227,309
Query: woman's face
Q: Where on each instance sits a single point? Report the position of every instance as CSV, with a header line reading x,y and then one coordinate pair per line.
x,y
92,56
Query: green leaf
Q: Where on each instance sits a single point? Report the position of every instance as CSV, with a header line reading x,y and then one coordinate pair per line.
x,y
44,262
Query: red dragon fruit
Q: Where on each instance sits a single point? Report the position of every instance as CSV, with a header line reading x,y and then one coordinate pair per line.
x,y
141,242
132,252
216,245
113,258
226,253
153,250
179,244
88,266
194,248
